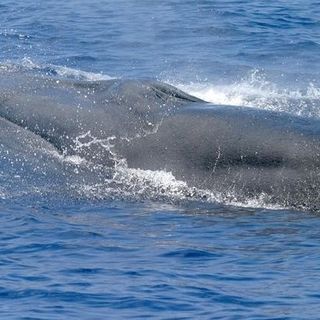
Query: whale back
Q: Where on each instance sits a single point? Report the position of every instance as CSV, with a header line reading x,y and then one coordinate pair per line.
x,y
247,153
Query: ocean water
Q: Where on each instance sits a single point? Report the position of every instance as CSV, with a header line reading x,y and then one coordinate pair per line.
x,y
137,247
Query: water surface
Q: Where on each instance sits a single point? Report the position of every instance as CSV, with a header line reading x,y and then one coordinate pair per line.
x,y
132,252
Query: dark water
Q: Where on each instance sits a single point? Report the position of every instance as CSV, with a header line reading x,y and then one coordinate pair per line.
x,y
131,251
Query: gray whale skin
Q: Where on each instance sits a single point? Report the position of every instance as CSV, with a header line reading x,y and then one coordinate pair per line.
x,y
231,150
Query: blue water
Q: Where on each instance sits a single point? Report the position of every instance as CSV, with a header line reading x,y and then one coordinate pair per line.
x,y
129,252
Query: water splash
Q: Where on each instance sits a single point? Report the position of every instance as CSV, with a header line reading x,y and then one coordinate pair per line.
x,y
135,184
258,92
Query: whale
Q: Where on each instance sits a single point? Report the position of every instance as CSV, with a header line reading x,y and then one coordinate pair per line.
x,y
240,152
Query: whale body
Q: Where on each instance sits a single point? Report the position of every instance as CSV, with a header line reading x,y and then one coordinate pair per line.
x,y
246,152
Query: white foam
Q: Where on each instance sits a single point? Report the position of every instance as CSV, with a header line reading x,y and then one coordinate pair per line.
x,y
27,64
73,159
79,74
255,91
